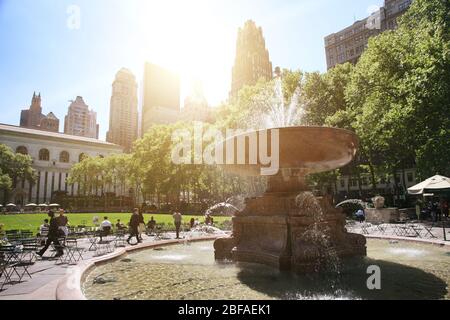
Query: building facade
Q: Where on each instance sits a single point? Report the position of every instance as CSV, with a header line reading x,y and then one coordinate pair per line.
x,y
53,156
123,117
161,97
196,106
348,44
33,118
80,121
252,60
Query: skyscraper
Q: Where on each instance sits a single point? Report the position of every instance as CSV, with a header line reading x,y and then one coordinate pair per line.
x,y
80,121
161,92
349,44
252,58
196,106
34,119
123,117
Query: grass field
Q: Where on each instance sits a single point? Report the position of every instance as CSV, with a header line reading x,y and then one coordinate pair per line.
x,y
33,221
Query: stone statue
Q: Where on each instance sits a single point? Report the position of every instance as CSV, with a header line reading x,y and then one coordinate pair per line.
x,y
378,202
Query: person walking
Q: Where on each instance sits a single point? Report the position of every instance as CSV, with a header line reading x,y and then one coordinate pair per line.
x,y
177,218
52,237
360,215
444,208
141,227
134,225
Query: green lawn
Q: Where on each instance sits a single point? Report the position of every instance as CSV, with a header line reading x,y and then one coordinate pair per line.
x,y
33,221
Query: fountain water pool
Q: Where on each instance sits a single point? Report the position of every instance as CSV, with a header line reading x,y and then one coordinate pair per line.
x,y
190,272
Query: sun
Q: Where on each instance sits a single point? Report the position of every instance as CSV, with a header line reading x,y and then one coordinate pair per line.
x,y
185,37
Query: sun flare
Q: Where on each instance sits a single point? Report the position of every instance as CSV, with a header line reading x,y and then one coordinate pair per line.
x,y
190,42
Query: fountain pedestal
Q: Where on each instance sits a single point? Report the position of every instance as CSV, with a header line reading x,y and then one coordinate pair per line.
x,y
290,233
288,227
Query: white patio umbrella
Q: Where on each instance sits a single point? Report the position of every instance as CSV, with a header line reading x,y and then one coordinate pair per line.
x,y
53,205
431,185
11,205
31,205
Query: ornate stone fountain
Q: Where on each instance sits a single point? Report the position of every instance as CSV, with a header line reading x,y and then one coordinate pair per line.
x,y
288,227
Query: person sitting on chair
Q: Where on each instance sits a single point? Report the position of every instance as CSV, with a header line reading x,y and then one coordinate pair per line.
x,y
63,222
43,229
105,228
120,225
151,225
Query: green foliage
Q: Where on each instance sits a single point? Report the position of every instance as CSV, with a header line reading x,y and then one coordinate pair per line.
x,y
14,167
324,95
399,93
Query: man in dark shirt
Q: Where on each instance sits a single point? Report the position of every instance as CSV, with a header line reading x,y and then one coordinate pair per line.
x,y
134,224
52,237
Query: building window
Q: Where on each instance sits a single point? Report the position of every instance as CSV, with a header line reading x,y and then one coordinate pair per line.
x,y
64,157
82,157
44,155
22,150
410,177
342,183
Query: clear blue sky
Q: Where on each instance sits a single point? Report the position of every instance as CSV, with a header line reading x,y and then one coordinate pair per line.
x,y
39,52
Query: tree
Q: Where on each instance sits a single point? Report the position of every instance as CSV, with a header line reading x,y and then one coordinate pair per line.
x,y
324,95
399,92
14,167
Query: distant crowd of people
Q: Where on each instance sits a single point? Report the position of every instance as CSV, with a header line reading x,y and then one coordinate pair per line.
x,y
56,227
436,210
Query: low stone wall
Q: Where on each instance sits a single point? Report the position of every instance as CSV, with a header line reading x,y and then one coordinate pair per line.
x,y
385,215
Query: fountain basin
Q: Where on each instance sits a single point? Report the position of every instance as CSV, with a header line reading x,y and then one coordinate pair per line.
x,y
303,150
190,272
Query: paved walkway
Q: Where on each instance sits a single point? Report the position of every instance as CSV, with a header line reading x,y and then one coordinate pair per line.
x,y
46,274
416,231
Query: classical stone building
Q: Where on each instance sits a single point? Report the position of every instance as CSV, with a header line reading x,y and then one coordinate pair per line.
x,y
80,121
123,117
348,44
161,97
252,60
34,119
53,155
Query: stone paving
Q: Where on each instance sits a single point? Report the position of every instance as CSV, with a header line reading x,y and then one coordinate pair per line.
x,y
46,274
411,231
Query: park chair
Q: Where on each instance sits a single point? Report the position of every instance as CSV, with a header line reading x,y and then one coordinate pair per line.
x,y
380,227
119,238
72,253
365,228
26,234
6,269
15,263
12,232
30,247
104,247
14,238
429,231
92,237
105,232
